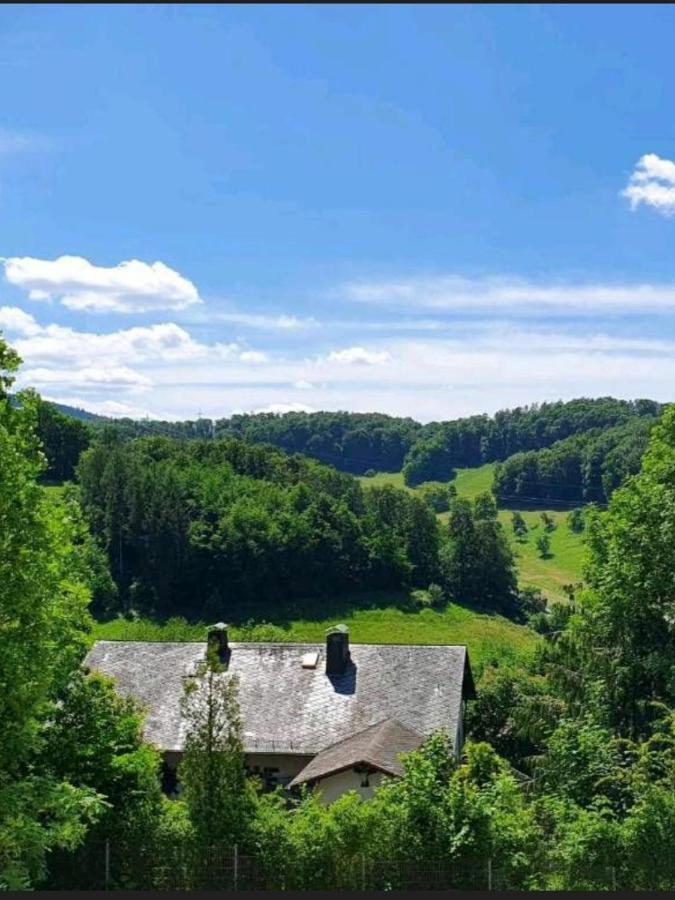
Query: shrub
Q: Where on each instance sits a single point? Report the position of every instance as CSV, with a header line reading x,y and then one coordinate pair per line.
x,y
544,546
575,520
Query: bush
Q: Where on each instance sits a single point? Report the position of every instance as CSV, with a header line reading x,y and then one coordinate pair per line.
x,y
531,601
549,524
421,598
575,520
436,595
519,525
437,496
544,546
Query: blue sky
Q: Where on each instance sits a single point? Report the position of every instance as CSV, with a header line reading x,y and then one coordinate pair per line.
x,y
428,211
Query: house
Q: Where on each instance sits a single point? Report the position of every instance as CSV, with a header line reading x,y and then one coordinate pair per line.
x,y
332,715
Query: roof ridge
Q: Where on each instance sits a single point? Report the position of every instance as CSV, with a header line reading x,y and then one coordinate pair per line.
x,y
276,643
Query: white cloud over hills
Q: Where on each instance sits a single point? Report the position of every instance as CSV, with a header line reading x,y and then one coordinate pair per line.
x,y
481,349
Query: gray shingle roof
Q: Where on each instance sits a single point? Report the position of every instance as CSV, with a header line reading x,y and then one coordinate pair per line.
x,y
379,746
290,709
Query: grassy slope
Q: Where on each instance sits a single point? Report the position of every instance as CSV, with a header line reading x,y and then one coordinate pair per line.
x,y
563,566
387,621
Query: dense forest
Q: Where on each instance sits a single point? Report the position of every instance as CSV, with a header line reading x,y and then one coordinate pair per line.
x,y
353,442
583,468
257,528
567,780
443,446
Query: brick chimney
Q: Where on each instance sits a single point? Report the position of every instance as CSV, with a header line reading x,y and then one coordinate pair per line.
x,y
217,640
337,650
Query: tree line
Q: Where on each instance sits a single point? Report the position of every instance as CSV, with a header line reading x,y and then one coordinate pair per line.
x,y
360,443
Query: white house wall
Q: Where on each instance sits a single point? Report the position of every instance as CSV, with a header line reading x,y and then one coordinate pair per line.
x,y
333,786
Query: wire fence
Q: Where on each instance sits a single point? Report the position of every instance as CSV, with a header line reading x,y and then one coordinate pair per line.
x,y
184,867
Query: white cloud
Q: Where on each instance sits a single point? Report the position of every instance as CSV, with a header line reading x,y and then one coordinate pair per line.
x,y
108,377
65,347
130,287
253,356
515,296
135,359
359,356
280,408
303,385
652,183
16,320
265,322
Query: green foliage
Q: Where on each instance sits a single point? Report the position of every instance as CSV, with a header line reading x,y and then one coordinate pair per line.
x,y
372,618
624,631
575,520
431,598
42,623
251,525
544,545
63,438
476,562
515,712
518,524
441,447
585,467
354,442
219,797
438,496
37,816
579,756
42,606
548,522
94,738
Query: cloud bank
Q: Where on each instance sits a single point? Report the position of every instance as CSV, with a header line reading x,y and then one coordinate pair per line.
x,y
510,295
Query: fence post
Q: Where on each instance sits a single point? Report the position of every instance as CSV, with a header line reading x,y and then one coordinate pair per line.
x,y
363,872
107,864
236,867
489,873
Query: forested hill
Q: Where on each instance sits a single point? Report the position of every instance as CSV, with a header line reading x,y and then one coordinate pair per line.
x,y
576,451
353,442
583,468
359,442
443,446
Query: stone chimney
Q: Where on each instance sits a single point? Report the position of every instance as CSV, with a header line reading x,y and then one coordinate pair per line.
x,y
217,640
337,650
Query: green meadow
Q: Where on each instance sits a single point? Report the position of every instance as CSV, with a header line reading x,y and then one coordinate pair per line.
x,y
377,619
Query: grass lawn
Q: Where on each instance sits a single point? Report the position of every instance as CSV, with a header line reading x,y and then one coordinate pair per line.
x,y
371,619
382,478
563,565
471,482
54,490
